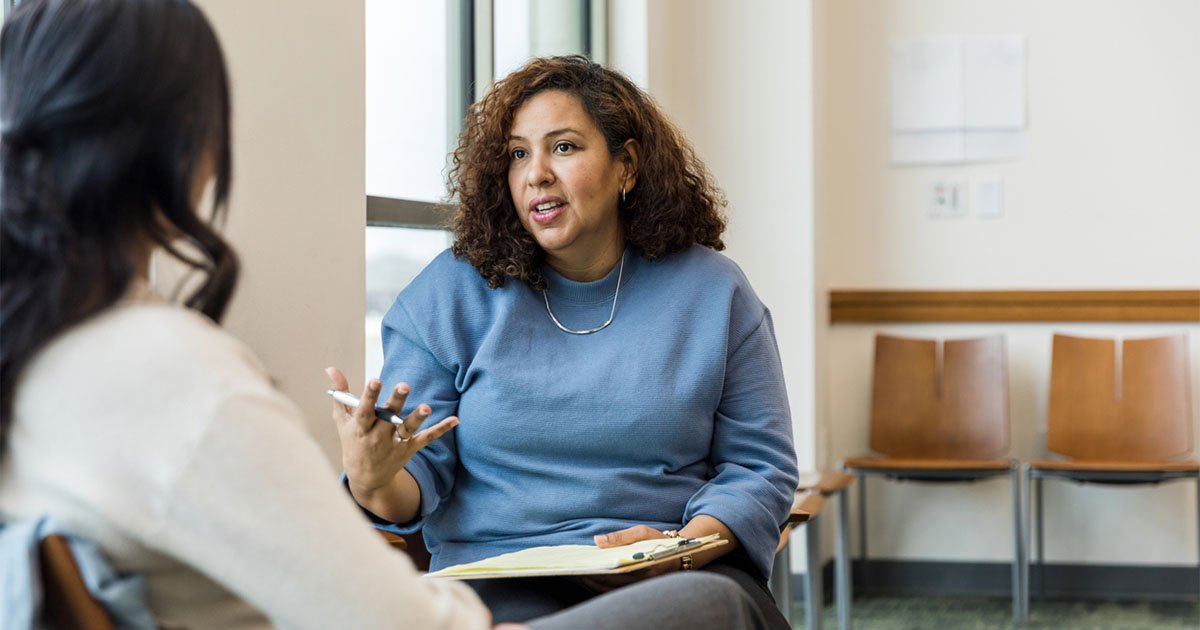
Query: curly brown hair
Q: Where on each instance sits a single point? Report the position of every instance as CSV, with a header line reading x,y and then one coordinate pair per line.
x,y
676,203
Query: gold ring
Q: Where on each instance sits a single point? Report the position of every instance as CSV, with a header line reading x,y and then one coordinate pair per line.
x,y
399,437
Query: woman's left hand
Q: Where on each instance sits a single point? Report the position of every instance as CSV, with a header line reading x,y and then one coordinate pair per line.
x,y
629,535
699,525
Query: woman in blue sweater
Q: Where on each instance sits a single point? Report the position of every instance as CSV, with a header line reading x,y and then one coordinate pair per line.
x,y
617,379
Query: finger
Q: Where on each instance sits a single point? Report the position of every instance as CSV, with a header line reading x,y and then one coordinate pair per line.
x,y
434,432
338,381
365,414
396,399
626,536
413,422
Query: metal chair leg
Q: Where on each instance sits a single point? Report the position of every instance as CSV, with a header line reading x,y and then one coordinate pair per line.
x,y
842,562
781,581
1041,540
814,597
1017,604
862,533
1025,549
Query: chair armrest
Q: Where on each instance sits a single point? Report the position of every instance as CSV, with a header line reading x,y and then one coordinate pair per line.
x,y
395,540
805,507
826,482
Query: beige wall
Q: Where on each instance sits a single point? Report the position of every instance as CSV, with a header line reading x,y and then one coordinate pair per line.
x,y
1100,199
298,206
735,77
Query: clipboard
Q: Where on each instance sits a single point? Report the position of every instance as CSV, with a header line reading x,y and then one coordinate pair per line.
x,y
579,559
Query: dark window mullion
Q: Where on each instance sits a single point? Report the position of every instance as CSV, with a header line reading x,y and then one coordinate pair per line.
x,y
391,212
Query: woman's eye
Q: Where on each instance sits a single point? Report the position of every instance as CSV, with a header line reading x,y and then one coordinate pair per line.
x,y
518,154
563,147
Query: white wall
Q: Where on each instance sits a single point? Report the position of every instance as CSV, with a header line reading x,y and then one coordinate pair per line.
x,y
298,206
736,78
628,40
1100,199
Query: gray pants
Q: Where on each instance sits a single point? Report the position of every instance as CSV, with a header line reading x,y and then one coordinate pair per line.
x,y
676,601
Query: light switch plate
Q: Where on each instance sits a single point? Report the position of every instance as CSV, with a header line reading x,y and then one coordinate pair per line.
x,y
947,199
989,197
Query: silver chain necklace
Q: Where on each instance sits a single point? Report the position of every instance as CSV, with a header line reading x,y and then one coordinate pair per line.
x,y
611,313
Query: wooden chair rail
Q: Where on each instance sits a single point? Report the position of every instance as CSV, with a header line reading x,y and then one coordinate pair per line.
x,y
1014,306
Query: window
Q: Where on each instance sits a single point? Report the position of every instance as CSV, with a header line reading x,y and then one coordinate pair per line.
x,y
416,100
395,255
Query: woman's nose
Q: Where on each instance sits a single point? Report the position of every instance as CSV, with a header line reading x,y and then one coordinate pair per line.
x,y
540,173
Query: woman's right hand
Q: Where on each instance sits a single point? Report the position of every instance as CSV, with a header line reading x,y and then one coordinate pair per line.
x,y
371,455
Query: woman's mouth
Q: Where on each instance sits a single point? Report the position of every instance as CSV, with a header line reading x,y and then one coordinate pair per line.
x,y
547,211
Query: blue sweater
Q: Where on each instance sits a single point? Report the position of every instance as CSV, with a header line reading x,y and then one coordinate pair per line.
x,y
675,410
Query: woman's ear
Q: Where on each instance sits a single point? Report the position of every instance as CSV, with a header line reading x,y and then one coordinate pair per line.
x,y
630,162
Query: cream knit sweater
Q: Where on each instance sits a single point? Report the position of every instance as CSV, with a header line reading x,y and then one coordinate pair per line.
x,y
157,435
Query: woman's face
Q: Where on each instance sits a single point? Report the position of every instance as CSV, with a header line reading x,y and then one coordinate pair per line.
x,y
564,182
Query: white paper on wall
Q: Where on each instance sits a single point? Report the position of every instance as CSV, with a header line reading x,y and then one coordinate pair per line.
x,y
994,83
957,99
927,84
985,146
927,147
956,147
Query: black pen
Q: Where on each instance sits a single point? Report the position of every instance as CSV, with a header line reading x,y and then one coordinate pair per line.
x,y
381,412
673,548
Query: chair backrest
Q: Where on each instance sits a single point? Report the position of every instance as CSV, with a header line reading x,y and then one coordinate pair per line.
x,y
947,404
66,601
1134,405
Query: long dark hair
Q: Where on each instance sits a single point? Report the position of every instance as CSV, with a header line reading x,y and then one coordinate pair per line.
x,y
109,112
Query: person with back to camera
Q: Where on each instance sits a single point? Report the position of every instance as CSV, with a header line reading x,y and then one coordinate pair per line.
x,y
140,424
617,378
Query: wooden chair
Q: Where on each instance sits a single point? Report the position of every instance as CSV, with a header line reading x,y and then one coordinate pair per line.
x,y
806,506
1114,418
66,601
836,484
811,494
411,544
939,413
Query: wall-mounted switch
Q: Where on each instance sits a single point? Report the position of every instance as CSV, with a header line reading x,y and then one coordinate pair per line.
x,y
946,199
989,197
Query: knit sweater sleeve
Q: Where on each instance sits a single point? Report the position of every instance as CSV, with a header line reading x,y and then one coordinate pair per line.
x,y
409,358
287,541
753,457
232,485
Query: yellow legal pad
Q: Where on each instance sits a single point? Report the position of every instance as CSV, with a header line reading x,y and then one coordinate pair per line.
x,y
579,559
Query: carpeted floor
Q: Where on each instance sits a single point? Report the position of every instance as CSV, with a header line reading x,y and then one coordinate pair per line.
x,y
979,613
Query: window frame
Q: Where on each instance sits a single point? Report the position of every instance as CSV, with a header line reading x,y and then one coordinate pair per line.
x,y
469,66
